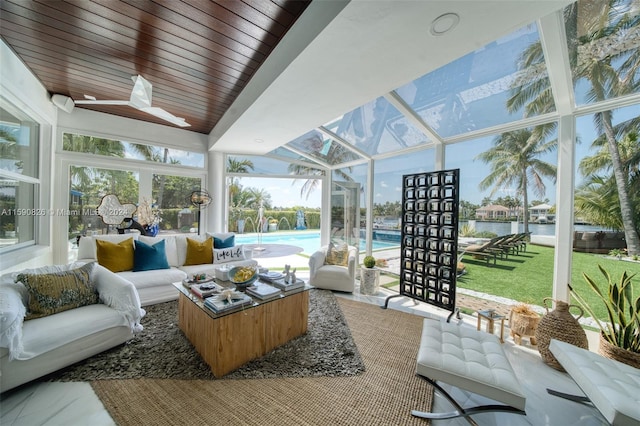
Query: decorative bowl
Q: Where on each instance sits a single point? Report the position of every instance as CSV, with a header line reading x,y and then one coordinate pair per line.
x,y
243,276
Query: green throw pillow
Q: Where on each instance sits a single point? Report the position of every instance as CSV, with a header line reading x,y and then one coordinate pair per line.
x,y
59,291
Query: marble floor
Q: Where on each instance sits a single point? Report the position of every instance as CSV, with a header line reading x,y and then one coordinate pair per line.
x,y
77,404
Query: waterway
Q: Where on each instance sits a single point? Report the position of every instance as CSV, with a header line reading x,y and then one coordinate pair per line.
x,y
502,228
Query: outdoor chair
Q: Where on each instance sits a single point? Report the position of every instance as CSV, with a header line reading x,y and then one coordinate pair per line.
x,y
486,251
517,242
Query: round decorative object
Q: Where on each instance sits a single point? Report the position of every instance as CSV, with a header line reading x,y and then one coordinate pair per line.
x,y
243,276
561,325
609,350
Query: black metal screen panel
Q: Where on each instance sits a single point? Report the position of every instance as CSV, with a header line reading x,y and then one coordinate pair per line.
x,y
429,246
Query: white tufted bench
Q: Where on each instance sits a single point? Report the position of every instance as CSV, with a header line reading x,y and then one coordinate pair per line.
x,y
471,360
611,386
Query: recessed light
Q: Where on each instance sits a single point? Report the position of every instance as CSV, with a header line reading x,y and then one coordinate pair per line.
x,y
444,23
259,141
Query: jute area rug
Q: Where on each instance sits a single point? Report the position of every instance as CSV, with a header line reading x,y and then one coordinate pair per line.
x,y
384,394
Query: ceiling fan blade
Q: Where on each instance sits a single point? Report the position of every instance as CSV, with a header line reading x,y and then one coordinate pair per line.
x,y
167,116
102,102
141,93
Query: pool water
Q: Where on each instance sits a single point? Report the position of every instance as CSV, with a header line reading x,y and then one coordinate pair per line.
x,y
309,241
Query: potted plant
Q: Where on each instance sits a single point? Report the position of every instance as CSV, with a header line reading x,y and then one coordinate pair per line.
x,y
9,230
369,261
620,336
523,322
273,225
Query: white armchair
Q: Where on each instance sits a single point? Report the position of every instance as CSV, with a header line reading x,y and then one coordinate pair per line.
x,y
333,277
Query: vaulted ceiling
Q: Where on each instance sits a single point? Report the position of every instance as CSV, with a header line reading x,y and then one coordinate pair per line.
x,y
251,74
198,55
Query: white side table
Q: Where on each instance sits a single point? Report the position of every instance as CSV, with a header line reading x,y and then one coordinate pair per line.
x,y
369,280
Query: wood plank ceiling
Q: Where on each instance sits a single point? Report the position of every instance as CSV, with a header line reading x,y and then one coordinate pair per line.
x,y
197,54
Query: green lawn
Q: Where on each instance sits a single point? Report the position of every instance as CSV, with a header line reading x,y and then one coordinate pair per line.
x,y
528,277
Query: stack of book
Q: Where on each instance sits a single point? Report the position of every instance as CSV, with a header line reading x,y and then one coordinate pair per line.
x,y
219,303
287,286
205,290
270,276
263,291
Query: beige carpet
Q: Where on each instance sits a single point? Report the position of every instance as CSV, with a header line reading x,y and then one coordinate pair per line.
x,y
384,394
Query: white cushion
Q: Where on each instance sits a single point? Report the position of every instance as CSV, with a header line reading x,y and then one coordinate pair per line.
x,y
44,334
613,387
468,359
87,245
153,278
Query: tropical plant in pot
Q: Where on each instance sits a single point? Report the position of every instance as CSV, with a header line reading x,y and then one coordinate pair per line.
x,y
369,261
620,335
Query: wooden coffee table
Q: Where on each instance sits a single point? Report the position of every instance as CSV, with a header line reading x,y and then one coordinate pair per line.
x,y
229,340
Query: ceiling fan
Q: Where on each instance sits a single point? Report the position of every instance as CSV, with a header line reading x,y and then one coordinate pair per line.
x,y
140,99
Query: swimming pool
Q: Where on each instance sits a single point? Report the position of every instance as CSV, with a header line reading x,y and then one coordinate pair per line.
x,y
309,241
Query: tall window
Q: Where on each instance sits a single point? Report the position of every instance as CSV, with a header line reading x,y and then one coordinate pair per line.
x,y
19,179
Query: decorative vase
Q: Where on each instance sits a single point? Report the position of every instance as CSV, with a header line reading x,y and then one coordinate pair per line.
x,y
609,350
561,325
152,230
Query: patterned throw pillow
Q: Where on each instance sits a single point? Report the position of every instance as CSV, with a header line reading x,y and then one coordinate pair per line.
x,y
149,257
337,255
116,257
59,291
199,252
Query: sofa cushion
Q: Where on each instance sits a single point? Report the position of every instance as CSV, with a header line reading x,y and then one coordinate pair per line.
x,y
116,257
337,255
228,254
199,252
149,257
59,291
156,278
87,245
170,247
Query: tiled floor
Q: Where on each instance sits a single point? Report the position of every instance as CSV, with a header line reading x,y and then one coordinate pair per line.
x,y
76,403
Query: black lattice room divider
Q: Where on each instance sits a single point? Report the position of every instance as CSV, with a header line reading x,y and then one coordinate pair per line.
x,y
429,244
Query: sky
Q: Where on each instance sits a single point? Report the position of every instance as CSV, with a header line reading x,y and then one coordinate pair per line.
x,y
284,192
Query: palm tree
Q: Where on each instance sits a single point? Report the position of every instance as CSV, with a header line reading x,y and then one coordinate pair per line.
x,y
514,161
237,166
598,54
604,208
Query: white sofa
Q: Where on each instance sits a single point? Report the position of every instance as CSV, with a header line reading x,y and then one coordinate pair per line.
x,y
156,286
32,348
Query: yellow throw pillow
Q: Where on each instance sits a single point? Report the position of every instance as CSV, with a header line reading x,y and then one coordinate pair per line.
x,y
337,255
199,252
116,257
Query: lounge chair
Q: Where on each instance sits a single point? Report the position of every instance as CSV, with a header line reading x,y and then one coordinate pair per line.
x,y
517,242
486,251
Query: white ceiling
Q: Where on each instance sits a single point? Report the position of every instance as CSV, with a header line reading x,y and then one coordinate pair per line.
x,y
340,55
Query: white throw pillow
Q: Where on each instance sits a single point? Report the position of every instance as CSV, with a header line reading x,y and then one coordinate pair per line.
x,y
87,245
230,254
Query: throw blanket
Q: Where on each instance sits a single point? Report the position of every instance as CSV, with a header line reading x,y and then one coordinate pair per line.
x,y
114,291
